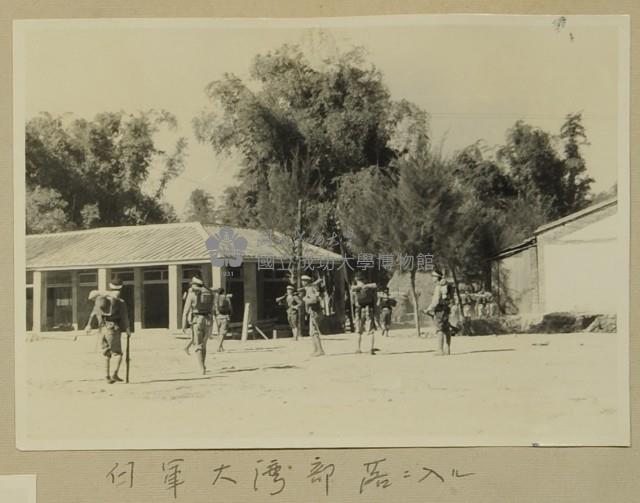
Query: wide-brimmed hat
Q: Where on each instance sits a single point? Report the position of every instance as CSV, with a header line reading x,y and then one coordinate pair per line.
x,y
305,278
436,274
291,287
115,284
197,281
93,294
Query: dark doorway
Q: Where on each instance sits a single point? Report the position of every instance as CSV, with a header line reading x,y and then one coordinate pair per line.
x,y
156,305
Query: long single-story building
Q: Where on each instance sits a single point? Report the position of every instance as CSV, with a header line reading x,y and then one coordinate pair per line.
x,y
569,265
155,264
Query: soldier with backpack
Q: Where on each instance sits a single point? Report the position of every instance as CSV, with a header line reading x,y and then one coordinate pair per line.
x,y
386,305
364,299
223,315
440,309
115,320
198,313
312,303
293,303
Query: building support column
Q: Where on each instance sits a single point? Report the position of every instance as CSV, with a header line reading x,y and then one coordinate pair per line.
x,y
74,299
137,299
250,284
104,276
37,301
213,276
339,281
174,295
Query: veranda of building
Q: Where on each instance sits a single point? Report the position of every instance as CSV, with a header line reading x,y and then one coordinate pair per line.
x,y
155,264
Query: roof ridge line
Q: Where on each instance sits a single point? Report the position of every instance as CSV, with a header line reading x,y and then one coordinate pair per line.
x,y
114,227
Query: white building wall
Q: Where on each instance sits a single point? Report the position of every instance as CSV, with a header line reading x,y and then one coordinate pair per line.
x,y
582,269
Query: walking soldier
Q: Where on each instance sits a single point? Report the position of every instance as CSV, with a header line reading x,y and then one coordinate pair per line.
x,y
223,315
293,303
311,299
198,313
115,320
439,309
364,300
386,305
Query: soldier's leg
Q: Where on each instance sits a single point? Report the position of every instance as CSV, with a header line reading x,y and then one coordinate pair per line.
x,y
107,364
439,333
221,325
373,333
118,362
313,317
199,338
292,317
360,327
116,349
447,342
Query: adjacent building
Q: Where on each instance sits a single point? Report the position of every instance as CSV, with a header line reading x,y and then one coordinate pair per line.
x,y
155,264
569,265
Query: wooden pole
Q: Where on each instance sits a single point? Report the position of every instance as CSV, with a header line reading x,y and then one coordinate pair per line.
x,y
245,321
260,332
126,361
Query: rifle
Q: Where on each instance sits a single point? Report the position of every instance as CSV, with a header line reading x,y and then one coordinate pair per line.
x,y
126,360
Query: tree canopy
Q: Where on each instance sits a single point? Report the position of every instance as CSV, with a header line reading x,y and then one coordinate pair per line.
x,y
85,173
339,113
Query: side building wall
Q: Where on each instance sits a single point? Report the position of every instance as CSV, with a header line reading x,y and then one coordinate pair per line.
x,y
515,282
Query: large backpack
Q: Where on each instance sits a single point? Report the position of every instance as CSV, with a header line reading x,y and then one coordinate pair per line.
x,y
223,304
110,307
312,298
388,303
203,301
446,293
366,296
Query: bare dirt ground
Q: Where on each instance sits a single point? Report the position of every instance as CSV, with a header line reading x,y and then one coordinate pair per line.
x,y
562,389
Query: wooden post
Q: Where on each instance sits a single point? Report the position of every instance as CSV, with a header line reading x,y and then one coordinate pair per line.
x,y
137,299
174,295
275,333
245,321
74,300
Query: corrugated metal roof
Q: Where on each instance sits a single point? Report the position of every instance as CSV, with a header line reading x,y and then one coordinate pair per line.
x,y
145,244
263,244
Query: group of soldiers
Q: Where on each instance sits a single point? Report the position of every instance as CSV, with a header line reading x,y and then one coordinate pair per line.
x,y
205,308
481,304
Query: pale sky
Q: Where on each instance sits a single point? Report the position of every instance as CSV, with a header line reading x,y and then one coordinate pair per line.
x,y
475,79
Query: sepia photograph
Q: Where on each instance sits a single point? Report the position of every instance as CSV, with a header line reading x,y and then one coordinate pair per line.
x,y
385,231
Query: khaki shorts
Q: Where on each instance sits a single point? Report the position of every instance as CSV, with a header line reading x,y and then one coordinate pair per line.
x,y
385,317
200,329
222,321
441,319
111,339
292,318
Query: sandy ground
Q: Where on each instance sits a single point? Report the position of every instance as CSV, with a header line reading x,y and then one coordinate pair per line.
x,y
558,389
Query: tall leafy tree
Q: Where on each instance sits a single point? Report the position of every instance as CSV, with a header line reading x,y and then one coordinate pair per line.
x,y
557,181
409,215
200,207
97,167
577,182
339,113
45,211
